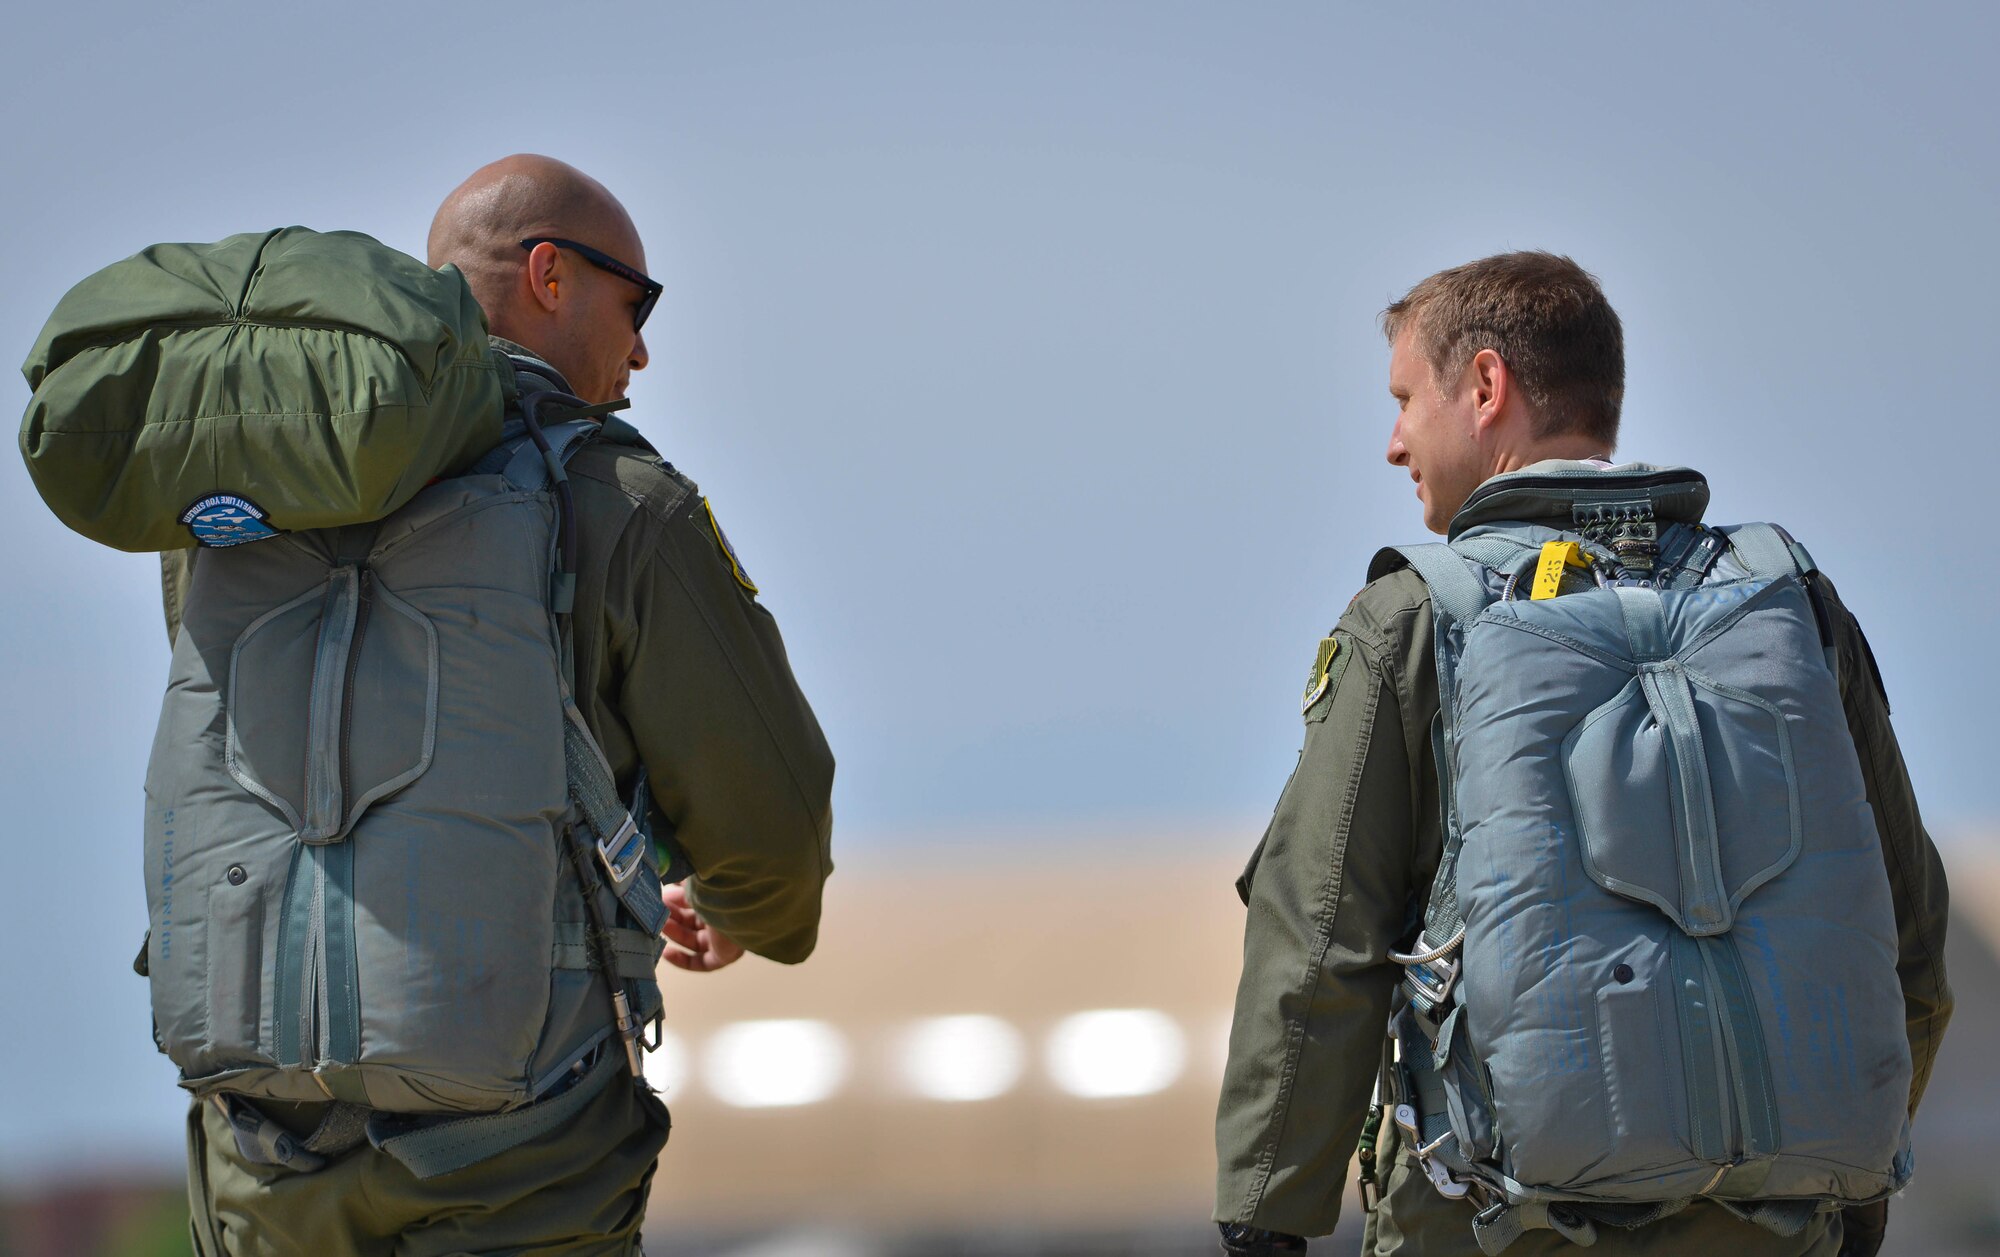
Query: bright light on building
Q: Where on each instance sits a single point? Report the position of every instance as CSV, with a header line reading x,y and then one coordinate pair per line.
x,y
1115,1052
770,1064
969,1057
667,1064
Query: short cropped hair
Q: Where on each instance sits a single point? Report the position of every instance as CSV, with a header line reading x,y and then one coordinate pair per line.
x,y
1545,316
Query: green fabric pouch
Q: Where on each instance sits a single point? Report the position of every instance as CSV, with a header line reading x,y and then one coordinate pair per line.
x,y
272,382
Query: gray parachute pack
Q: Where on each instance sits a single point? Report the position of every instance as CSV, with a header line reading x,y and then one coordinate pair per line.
x,y
386,863
1659,958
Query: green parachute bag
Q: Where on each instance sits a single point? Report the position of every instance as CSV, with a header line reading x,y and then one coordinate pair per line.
x,y
215,394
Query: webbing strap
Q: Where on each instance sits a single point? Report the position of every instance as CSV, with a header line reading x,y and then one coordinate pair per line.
x,y
1780,1217
1457,596
1497,1229
619,853
262,1141
1456,593
1700,1068
1756,1087
635,954
1499,1225
1704,898
431,1150
1494,550
1763,549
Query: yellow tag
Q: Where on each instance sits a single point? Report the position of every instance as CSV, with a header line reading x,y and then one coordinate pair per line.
x,y
1322,673
1556,555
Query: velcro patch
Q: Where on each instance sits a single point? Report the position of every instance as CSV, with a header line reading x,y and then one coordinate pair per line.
x,y
224,519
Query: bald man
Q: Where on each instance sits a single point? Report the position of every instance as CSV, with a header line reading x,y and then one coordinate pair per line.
x,y
680,674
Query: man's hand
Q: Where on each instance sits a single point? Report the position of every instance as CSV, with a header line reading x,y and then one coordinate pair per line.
x,y
698,946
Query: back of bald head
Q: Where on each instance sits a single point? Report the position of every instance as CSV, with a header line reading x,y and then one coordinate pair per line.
x,y
481,224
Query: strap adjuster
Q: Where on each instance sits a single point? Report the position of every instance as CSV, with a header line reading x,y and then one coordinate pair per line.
x,y
622,853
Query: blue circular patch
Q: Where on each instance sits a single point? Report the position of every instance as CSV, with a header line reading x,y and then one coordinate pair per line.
x,y
223,519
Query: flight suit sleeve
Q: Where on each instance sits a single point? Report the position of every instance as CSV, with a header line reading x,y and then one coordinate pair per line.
x,y
734,756
176,570
1916,873
1328,893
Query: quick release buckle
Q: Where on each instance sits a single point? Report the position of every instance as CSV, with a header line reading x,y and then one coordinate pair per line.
x,y
1432,972
1434,979
622,853
1441,1178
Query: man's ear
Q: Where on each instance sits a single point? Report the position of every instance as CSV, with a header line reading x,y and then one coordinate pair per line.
x,y
545,280
1492,386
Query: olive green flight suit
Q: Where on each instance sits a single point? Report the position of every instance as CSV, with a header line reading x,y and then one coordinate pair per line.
x,y
1342,876
678,668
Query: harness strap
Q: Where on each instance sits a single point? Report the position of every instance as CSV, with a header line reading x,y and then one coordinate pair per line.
x,y
1769,554
264,1142
1456,592
633,954
621,853
437,1148
1500,1224
1458,595
1762,549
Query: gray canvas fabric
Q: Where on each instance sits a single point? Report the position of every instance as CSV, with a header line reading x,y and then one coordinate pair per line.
x,y
357,807
1678,953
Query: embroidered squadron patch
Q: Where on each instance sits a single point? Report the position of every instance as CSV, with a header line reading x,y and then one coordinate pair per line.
x,y
1322,674
728,551
223,519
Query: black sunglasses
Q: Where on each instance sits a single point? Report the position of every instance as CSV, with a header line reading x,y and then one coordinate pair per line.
x,y
605,262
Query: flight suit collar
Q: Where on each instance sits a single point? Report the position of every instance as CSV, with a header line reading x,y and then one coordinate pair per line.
x,y
1549,492
522,358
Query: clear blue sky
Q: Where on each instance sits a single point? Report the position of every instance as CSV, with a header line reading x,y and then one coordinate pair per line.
x,y
1028,353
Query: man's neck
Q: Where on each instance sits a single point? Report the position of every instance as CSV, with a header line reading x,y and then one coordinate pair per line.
x,y
1572,446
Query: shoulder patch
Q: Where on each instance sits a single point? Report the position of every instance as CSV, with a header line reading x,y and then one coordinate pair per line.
x,y
225,519
728,551
1321,678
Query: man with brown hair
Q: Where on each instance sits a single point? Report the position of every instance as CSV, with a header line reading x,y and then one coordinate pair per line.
x,y
1509,367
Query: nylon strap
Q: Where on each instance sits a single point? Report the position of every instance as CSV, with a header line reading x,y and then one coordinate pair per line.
x,y
1756,1087
1497,1229
1763,549
636,955
442,1148
1501,553
1457,594
605,816
262,1141
1700,1068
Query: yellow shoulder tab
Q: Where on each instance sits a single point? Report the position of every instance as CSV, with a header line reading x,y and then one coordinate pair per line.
x,y
1556,555
728,551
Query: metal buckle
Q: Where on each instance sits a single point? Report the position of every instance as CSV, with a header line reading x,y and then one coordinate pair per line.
x,y
1440,1177
621,852
1421,966
1422,977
